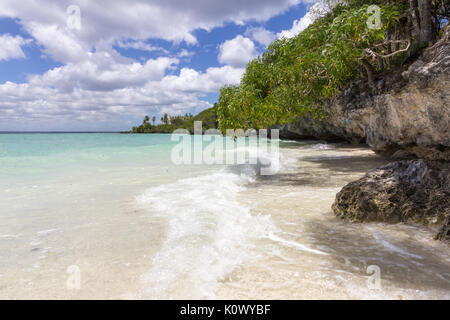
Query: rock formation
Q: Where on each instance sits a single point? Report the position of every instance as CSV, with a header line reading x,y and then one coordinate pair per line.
x,y
404,114
414,191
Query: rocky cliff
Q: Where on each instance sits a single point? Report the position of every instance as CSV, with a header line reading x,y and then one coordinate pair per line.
x,y
402,114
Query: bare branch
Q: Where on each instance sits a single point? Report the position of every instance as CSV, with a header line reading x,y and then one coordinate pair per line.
x,y
371,53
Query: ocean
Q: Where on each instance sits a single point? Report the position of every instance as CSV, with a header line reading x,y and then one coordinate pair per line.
x,y
113,216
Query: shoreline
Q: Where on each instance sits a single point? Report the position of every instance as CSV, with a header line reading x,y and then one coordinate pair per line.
x,y
322,256
278,233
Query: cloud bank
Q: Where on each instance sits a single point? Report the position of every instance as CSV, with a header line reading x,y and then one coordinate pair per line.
x,y
97,83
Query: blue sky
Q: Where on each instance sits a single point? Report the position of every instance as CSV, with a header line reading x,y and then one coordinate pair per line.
x,y
76,66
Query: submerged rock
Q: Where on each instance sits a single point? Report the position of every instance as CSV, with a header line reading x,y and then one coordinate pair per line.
x,y
416,191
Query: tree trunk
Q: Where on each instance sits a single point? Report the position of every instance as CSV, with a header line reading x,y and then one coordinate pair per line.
x,y
415,20
369,71
426,23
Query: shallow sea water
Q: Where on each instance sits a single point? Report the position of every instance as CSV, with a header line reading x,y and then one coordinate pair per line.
x,y
135,225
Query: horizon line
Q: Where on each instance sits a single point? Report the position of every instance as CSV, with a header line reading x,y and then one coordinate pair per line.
x,y
55,131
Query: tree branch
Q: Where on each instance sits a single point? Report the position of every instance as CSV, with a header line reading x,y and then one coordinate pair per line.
x,y
371,53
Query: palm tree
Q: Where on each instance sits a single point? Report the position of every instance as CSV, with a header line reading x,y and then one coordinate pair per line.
x,y
165,119
154,120
146,120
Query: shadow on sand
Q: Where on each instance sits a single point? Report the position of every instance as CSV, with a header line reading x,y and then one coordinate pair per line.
x,y
404,262
316,171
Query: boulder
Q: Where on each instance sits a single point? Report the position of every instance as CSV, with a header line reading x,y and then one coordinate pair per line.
x,y
414,191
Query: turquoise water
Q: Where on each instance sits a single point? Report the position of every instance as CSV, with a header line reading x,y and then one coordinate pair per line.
x,y
34,156
136,225
47,144
105,201
70,199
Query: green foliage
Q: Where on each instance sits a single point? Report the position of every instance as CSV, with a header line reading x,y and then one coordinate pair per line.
x,y
165,119
294,76
172,123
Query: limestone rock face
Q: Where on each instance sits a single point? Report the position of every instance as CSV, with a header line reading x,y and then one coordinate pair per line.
x,y
403,114
416,191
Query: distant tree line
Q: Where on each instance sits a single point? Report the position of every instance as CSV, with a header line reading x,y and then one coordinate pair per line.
x,y
171,123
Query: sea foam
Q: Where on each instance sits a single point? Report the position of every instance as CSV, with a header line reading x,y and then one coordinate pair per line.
x,y
209,233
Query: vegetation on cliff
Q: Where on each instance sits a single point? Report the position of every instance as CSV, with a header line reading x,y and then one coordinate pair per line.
x,y
295,76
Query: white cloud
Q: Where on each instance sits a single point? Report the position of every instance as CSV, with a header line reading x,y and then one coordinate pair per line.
x,y
58,42
96,83
108,21
316,11
190,80
140,45
11,47
261,35
97,90
185,54
237,52
102,73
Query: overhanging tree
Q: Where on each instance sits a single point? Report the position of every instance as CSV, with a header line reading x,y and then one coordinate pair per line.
x,y
295,76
